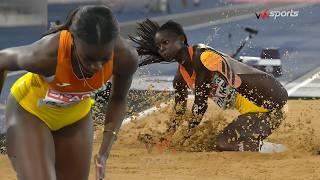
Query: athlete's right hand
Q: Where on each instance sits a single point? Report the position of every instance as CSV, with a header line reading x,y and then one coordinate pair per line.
x,y
100,163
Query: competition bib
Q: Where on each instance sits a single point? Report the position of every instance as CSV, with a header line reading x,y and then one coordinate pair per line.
x,y
222,93
62,99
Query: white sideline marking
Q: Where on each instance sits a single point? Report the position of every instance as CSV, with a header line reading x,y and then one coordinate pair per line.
x,y
145,113
149,111
15,73
302,81
307,81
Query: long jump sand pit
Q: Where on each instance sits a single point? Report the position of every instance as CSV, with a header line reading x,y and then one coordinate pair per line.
x,y
177,159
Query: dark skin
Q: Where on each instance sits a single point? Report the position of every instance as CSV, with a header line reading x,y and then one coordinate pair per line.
x,y
172,46
65,153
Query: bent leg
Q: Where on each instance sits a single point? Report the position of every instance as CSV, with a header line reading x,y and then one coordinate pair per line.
x,y
73,145
245,133
29,143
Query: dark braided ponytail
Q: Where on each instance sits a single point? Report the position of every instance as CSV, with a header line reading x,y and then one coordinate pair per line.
x,y
145,40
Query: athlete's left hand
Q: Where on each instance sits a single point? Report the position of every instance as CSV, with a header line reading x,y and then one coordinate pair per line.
x,y
100,166
193,124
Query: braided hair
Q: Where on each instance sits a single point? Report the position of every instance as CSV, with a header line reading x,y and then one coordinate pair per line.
x,y
94,24
145,40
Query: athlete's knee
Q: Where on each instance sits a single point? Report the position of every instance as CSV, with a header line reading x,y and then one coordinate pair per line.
x,y
67,174
38,174
27,170
220,143
281,102
35,169
276,118
224,143
280,98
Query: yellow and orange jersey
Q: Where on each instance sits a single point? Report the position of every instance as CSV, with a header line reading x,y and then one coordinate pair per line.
x,y
64,99
65,80
224,81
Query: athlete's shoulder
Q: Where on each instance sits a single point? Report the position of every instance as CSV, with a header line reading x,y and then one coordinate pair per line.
x,y
125,57
41,56
208,56
47,43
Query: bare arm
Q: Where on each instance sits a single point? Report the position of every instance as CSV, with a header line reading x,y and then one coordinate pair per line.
x,y
125,64
180,98
180,94
202,90
200,104
38,57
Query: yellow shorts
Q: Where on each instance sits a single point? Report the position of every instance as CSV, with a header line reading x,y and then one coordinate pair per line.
x,y
30,88
244,105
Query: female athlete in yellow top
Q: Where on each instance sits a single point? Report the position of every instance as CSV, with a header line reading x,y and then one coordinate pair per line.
x,y
50,132
210,74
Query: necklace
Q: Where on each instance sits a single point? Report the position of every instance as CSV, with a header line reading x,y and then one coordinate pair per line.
x,y
85,82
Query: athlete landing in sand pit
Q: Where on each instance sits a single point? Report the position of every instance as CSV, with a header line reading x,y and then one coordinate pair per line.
x,y
258,96
48,113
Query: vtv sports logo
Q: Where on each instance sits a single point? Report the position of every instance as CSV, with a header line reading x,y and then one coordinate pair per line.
x,y
266,14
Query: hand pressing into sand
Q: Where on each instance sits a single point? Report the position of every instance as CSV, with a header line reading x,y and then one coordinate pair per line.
x,y
100,163
192,124
171,126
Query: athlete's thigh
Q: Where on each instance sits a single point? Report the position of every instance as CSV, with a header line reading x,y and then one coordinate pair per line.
x,y
73,145
29,143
